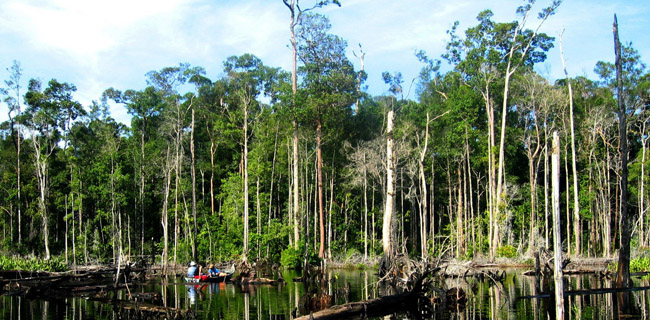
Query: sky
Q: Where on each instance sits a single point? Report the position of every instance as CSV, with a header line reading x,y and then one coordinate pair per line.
x,y
97,44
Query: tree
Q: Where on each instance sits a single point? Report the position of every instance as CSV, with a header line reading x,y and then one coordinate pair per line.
x,y
330,88
478,58
48,111
623,273
15,113
295,19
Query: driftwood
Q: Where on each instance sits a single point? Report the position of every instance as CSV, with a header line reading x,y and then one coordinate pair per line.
x,y
145,310
408,300
249,275
369,308
49,285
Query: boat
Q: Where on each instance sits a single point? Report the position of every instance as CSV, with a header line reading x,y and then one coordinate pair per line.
x,y
204,278
223,277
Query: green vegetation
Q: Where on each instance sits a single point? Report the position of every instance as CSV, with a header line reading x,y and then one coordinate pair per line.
x,y
507,251
639,264
54,264
205,169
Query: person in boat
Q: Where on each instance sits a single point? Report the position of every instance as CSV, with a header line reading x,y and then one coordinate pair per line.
x,y
213,271
194,271
191,270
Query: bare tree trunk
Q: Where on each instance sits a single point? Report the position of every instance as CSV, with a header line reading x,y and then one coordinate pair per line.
x,y
390,188
245,169
567,200
557,247
546,187
424,196
177,178
141,198
365,211
114,229
460,235
295,15
623,273
576,201
258,206
41,163
164,216
642,209
194,253
319,177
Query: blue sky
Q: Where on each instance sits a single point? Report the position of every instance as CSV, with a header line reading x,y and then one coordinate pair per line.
x,y
97,44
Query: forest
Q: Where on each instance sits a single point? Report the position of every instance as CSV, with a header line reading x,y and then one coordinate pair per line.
x,y
266,163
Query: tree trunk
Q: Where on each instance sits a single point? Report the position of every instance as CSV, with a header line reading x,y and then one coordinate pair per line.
x,y
623,273
365,211
141,198
390,188
295,14
177,178
319,177
644,142
424,197
576,200
41,163
194,253
164,216
557,246
245,169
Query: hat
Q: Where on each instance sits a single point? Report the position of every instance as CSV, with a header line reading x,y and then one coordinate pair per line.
x,y
192,264
211,265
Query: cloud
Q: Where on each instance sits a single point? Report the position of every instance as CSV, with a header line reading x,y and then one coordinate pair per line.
x,y
96,44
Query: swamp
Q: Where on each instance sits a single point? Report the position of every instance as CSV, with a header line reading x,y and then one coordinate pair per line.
x,y
491,293
414,202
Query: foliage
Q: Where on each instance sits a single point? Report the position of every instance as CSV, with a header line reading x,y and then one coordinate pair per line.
x,y
98,181
639,264
291,258
507,251
54,264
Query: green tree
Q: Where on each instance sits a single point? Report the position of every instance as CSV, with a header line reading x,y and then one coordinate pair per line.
x,y
329,89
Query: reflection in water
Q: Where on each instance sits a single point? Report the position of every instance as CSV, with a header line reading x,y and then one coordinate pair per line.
x,y
485,299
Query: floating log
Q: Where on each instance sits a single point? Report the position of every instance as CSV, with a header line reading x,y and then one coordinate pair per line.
x,y
376,307
146,308
369,308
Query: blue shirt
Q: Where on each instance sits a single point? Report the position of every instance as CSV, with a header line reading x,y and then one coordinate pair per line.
x,y
191,271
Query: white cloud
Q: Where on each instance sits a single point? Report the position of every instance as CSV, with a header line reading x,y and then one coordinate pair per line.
x,y
96,44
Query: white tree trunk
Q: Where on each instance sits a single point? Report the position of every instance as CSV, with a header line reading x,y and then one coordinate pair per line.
x,y
557,241
390,187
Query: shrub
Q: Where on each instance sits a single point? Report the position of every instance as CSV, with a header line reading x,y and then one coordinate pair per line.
x,y
54,264
641,264
507,251
290,258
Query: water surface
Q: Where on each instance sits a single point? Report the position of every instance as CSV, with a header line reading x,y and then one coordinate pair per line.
x,y
486,299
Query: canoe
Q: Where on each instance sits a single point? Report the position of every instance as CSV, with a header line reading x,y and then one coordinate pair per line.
x,y
225,278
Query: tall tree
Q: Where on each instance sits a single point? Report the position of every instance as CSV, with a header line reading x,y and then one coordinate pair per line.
x,y
295,19
330,88
623,272
48,110
516,57
14,113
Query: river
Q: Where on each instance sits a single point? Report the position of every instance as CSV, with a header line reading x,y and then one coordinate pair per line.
x,y
485,299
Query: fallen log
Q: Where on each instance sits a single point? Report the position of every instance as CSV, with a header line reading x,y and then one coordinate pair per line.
x,y
369,308
143,307
378,307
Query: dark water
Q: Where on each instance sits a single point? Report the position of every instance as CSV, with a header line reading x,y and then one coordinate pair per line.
x,y
485,300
